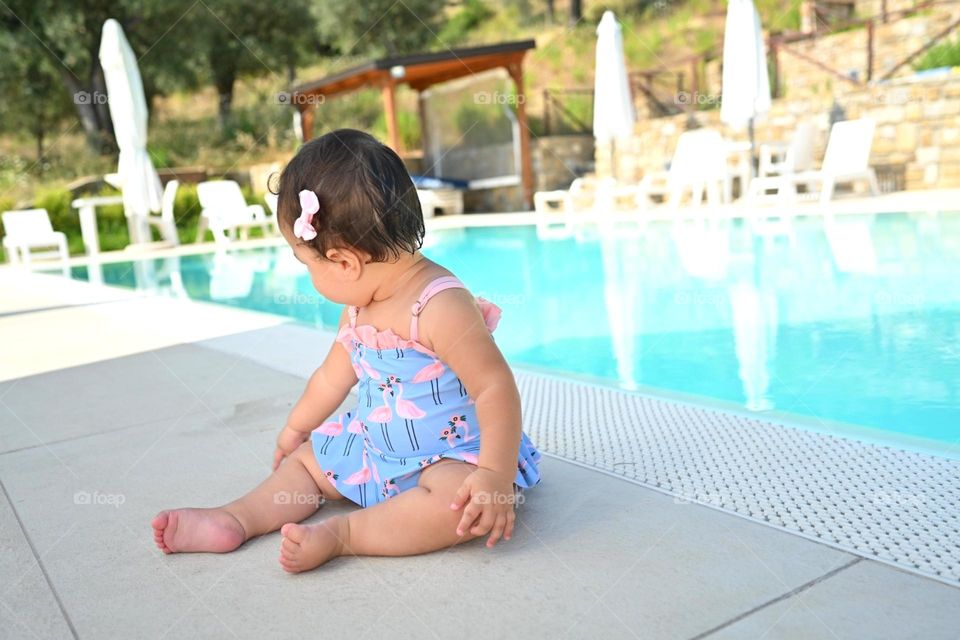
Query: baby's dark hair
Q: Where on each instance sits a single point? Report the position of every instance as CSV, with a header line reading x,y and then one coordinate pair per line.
x,y
367,199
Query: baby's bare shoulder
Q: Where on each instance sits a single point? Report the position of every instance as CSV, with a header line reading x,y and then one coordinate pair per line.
x,y
450,313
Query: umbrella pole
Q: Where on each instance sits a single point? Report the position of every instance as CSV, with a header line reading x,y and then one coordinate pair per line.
x,y
753,148
613,158
132,226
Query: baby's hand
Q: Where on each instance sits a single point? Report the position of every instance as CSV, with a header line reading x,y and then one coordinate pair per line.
x,y
287,442
491,497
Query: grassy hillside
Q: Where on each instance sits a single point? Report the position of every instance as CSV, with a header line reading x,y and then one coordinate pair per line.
x,y
184,132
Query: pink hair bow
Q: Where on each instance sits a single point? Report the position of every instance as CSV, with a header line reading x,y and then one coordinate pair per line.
x,y
309,205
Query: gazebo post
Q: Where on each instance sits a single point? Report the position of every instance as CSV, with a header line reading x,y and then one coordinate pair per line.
x,y
526,167
306,121
390,108
424,133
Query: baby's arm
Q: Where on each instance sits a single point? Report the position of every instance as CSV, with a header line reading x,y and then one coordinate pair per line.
x,y
454,326
326,390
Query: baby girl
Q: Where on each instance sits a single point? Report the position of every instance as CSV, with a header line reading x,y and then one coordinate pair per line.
x,y
433,451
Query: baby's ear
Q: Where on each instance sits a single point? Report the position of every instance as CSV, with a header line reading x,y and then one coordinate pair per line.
x,y
350,261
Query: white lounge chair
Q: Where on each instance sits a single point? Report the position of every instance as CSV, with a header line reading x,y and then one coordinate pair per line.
x,y
166,221
448,201
845,161
584,194
272,199
29,229
699,165
789,157
225,212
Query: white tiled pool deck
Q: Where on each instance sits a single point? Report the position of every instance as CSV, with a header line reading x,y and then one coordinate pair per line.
x,y
114,405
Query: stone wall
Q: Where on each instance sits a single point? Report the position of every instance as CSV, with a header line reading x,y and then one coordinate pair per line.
x,y
917,135
867,8
846,52
493,200
557,160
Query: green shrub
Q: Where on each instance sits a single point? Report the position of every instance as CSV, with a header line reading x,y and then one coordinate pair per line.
x,y
407,122
186,207
160,157
56,200
945,54
471,14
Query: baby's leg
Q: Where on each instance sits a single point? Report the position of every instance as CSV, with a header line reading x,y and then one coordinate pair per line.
x,y
291,493
419,520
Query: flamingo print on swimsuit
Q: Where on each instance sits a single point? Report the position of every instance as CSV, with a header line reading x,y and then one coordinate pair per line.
x,y
354,428
431,373
408,411
460,422
362,477
331,430
389,486
331,478
370,371
384,414
426,462
451,433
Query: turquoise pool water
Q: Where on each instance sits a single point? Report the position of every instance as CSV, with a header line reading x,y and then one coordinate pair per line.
x,y
854,320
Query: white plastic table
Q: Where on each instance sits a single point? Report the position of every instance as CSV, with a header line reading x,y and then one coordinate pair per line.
x,y
87,208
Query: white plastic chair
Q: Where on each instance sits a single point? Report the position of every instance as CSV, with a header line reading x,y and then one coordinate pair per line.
x,y
845,161
28,229
225,212
792,157
449,201
166,221
583,194
699,165
272,201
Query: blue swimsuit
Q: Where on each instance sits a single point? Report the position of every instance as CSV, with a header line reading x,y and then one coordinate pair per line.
x,y
412,411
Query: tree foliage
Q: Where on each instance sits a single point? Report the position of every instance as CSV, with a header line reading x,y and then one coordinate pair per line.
x,y
380,27
179,45
66,38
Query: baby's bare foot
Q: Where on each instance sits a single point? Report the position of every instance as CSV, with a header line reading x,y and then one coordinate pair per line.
x,y
185,530
306,547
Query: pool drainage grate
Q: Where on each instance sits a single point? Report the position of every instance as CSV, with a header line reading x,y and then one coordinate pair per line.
x,y
878,502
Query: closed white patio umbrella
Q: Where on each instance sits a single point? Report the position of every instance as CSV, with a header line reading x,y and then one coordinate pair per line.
x,y
746,85
613,115
128,109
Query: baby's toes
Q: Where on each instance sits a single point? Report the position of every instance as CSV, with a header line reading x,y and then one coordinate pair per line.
x,y
159,521
286,563
294,531
289,548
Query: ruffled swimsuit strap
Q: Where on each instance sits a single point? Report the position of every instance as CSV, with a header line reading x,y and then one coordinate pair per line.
x,y
433,288
353,311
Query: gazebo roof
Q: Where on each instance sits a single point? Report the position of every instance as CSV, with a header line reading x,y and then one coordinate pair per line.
x,y
420,70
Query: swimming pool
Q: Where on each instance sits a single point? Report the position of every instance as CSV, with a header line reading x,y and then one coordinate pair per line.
x,y
852,320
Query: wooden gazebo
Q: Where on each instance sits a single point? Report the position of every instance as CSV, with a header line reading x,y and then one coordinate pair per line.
x,y
421,71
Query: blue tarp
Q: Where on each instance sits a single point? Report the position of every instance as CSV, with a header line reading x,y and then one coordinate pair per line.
x,y
429,182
